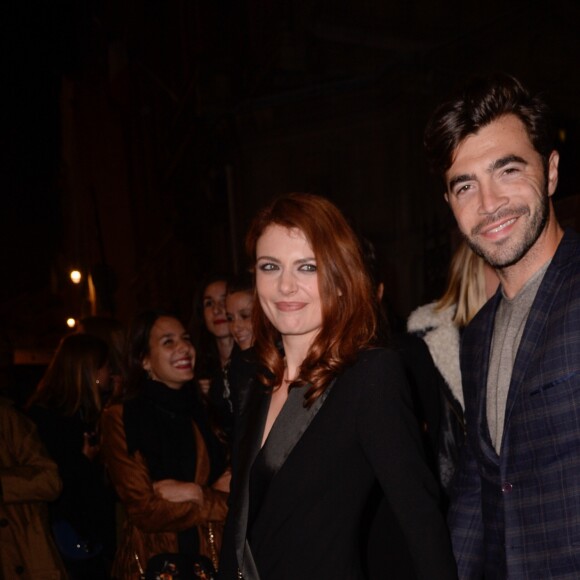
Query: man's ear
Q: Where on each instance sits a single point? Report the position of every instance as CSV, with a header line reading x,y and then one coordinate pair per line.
x,y
446,197
380,291
553,172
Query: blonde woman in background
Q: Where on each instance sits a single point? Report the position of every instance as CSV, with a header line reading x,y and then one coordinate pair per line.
x,y
471,282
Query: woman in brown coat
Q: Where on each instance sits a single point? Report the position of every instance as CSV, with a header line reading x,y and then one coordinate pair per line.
x,y
28,479
165,462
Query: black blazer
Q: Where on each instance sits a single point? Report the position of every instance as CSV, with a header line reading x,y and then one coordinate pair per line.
x,y
320,466
517,514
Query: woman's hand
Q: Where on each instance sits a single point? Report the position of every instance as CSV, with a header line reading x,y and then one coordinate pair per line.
x,y
223,483
178,491
90,445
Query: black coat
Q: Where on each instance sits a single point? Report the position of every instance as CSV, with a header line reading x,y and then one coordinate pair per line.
x,y
311,480
86,502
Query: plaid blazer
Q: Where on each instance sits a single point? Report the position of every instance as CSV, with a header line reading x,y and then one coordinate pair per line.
x,y
516,515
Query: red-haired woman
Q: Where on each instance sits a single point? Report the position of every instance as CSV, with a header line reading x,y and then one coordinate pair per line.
x,y
326,416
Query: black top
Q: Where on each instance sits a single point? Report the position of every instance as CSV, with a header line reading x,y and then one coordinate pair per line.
x,y
158,423
86,501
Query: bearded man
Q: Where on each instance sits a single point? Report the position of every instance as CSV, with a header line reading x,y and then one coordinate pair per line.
x,y
515,509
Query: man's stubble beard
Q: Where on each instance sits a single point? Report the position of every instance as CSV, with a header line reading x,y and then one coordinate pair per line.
x,y
510,255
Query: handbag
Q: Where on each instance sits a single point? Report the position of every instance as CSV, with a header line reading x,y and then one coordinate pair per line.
x,y
71,545
171,566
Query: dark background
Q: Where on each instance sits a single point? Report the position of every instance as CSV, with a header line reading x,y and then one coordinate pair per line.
x,y
140,136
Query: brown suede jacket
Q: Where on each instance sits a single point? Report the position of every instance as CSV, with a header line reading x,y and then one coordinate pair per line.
x,y
152,522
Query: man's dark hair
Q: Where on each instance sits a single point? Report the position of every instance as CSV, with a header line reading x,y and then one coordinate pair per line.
x,y
483,100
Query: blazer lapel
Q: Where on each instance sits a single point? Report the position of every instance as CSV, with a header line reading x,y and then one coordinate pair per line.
x,y
537,320
289,427
481,363
255,413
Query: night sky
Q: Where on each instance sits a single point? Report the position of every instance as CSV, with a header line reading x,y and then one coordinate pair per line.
x,y
46,40
30,219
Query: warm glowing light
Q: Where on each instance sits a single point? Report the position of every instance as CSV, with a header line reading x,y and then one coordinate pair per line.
x,y
71,322
562,135
75,276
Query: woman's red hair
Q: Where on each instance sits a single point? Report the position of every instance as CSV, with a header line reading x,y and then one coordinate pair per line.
x,y
349,310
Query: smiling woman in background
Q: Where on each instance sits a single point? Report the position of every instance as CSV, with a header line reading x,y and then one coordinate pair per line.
x,y
326,414
239,305
165,462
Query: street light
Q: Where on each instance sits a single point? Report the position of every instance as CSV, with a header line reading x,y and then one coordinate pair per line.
x,y
71,322
75,276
